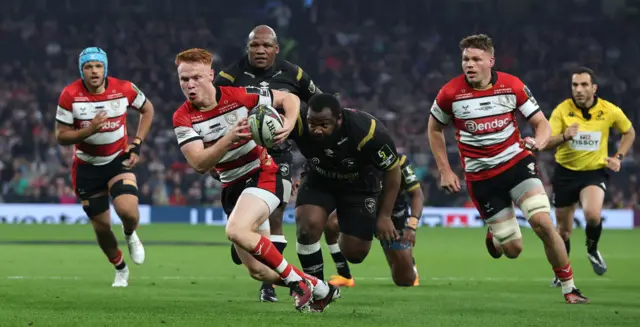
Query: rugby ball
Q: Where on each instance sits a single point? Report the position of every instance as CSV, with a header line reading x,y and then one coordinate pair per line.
x,y
264,121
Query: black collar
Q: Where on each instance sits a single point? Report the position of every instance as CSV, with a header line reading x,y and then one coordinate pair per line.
x,y
595,102
494,79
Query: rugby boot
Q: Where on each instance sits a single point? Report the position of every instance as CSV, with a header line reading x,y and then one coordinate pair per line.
x,y
491,247
598,264
417,281
318,305
136,250
339,281
575,297
122,278
302,292
268,294
555,282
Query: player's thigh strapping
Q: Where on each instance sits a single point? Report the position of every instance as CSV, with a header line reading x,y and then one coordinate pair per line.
x,y
265,184
568,183
89,180
399,219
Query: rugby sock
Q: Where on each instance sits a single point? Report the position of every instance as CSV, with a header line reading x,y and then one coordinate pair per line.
x,y
567,245
341,263
118,261
593,236
311,259
565,275
267,253
280,243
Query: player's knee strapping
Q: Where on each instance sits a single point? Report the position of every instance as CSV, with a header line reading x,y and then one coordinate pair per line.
x,y
395,245
123,186
95,206
506,231
535,204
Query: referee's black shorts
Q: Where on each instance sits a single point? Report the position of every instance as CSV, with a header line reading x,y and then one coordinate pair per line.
x,y
568,183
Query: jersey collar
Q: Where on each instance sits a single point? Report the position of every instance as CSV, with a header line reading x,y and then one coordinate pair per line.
x,y
494,79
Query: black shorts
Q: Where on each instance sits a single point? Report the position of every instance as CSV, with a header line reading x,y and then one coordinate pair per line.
x,y
492,195
568,183
265,183
89,180
285,164
356,204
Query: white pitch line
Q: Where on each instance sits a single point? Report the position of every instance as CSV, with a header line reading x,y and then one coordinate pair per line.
x,y
436,279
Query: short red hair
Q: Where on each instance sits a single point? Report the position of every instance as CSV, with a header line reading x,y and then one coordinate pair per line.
x,y
194,55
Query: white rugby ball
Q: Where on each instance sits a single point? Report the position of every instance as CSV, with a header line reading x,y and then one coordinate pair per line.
x,y
264,121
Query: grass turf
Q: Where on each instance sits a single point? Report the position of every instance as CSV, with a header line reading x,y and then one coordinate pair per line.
x,y
181,284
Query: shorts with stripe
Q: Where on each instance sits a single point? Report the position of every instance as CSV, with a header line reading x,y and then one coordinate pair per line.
x,y
265,183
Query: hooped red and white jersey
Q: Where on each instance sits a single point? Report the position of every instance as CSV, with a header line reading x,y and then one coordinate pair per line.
x,y
485,122
234,103
77,107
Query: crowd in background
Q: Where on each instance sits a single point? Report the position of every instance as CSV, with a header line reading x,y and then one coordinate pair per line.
x,y
389,60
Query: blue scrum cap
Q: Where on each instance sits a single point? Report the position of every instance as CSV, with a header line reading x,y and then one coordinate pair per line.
x,y
92,54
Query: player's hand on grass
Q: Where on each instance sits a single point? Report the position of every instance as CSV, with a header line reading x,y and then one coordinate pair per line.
x,y
283,133
386,231
613,163
409,237
571,131
450,182
239,132
98,121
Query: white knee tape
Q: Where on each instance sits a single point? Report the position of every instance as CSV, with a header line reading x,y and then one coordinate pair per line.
x,y
506,231
535,204
265,226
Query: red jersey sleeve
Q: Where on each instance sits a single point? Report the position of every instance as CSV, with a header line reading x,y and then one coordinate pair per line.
x,y
64,113
136,98
525,102
251,97
183,128
441,108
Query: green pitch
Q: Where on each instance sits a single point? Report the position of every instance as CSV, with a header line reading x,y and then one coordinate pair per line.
x,y
198,285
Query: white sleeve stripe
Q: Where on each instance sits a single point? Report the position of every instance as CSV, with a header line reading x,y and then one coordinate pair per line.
x,y
528,108
186,134
64,115
139,101
439,114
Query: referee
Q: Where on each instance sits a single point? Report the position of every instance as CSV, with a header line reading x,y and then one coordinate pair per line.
x,y
580,130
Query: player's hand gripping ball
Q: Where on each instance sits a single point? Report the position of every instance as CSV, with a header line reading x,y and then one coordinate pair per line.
x,y
264,121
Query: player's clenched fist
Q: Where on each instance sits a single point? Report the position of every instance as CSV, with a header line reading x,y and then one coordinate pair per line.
x,y
450,182
571,131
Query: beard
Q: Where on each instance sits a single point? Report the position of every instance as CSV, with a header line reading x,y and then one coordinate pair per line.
x,y
328,141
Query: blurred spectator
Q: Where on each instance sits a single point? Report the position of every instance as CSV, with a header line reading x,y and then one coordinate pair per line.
x,y
388,59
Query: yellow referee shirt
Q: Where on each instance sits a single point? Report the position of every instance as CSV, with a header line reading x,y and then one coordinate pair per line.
x,y
589,148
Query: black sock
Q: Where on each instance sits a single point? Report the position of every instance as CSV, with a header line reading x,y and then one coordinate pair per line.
x,y
280,246
121,266
311,259
341,262
593,236
567,245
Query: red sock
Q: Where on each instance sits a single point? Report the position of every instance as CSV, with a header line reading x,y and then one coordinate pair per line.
x,y
117,260
564,273
268,254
